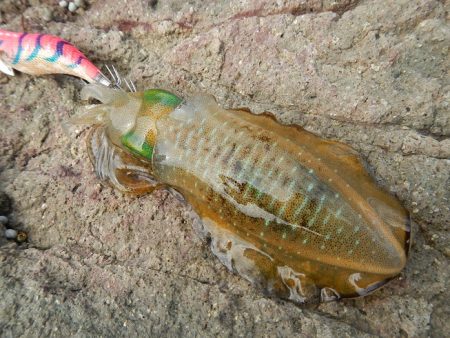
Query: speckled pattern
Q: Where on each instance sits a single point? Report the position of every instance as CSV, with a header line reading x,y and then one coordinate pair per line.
x,y
370,74
293,200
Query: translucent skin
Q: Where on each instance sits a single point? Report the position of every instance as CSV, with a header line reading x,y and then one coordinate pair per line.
x,y
292,213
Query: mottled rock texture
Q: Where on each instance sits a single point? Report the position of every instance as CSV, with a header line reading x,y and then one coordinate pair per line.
x,y
373,74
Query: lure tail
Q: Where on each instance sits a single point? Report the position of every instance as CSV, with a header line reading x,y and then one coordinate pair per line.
x,y
39,54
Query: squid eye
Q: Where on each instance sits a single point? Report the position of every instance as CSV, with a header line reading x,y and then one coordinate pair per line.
x,y
137,144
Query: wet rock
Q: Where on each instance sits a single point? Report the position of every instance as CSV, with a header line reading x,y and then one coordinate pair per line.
x,y
370,74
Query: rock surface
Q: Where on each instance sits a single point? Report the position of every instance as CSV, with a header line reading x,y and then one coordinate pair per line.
x,y
373,74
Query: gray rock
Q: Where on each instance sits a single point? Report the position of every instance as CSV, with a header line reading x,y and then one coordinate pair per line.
x,y
370,74
10,233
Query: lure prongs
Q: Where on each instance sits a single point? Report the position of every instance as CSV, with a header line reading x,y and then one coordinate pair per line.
x,y
117,79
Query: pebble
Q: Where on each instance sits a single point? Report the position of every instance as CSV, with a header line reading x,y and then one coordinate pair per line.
x,y
47,14
10,233
72,7
3,219
78,3
63,4
447,252
22,236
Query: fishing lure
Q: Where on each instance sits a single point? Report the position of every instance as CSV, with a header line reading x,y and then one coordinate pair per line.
x,y
39,54
292,213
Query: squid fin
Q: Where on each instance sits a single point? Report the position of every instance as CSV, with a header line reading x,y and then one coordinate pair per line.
x,y
258,267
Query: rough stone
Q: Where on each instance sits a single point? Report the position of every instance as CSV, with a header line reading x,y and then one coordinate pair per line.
x,y
372,74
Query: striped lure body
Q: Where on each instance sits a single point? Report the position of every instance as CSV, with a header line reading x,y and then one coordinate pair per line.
x,y
292,213
39,54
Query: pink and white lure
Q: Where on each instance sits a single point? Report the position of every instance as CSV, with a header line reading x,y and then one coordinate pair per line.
x,y
39,54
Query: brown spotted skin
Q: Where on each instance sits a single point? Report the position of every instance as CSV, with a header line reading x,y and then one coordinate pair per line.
x,y
296,200
294,214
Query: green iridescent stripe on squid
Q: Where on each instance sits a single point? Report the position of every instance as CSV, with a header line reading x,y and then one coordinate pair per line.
x,y
135,144
160,96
